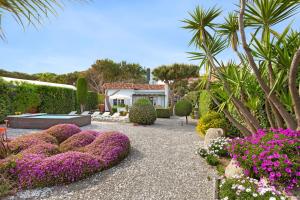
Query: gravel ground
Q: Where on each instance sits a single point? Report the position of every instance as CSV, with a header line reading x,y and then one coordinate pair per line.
x,y
162,165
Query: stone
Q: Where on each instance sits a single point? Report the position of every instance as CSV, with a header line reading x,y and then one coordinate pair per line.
x,y
211,134
233,170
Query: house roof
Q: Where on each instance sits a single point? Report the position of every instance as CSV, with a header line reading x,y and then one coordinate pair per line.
x,y
133,86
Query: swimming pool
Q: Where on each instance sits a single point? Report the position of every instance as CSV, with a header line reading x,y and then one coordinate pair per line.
x,y
44,120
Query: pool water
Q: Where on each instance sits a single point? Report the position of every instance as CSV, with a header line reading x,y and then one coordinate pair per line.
x,y
53,116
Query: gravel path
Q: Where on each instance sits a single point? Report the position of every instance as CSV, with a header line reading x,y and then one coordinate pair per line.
x,y
162,165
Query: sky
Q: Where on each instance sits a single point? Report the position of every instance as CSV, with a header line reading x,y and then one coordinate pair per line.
x,y
140,31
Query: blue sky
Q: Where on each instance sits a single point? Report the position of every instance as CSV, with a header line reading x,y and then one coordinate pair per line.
x,y
140,31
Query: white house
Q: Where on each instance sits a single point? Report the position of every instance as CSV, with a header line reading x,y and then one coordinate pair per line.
x,y
128,93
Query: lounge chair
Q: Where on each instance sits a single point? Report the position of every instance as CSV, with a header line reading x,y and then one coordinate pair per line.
x,y
95,114
102,117
85,113
72,113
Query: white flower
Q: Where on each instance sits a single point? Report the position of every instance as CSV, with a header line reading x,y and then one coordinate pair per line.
x,y
225,198
272,198
248,190
254,194
282,198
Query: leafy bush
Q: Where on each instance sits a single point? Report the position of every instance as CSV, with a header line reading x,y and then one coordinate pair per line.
x,y
6,186
101,98
210,120
219,146
82,92
142,112
183,108
78,141
241,188
5,102
109,147
163,113
63,131
212,159
273,154
61,168
205,103
92,101
56,100
25,98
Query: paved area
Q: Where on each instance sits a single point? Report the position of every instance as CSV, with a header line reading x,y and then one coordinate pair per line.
x,y
162,165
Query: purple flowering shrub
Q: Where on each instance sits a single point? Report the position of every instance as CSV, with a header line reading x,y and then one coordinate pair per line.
x,y
273,154
34,170
36,159
77,141
109,147
62,131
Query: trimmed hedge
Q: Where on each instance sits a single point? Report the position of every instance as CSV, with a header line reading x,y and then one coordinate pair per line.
x,y
25,97
142,112
163,113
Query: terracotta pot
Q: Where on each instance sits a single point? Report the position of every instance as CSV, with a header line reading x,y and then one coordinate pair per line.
x,y
102,108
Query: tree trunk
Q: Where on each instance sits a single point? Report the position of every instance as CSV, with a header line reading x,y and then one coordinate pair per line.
x,y
291,123
269,115
186,120
293,86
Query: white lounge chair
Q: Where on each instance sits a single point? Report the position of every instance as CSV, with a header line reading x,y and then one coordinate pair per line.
x,y
72,113
85,113
102,117
95,114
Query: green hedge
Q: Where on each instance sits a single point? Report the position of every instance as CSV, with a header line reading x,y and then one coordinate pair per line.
x,y
163,113
47,99
56,100
92,101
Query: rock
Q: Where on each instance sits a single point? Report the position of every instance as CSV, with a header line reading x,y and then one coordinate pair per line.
x,y
212,133
233,170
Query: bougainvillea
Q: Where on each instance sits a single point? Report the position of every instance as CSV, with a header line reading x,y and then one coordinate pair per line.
x,y
273,154
109,147
34,170
63,131
78,140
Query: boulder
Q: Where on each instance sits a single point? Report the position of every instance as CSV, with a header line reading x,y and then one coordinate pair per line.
x,y
233,170
211,134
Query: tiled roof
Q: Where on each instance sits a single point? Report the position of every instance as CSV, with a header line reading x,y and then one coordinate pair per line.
x,y
132,86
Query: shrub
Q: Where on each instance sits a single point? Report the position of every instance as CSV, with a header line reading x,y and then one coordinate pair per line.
x,y
82,92
142,112
25,98
163,113
219,146
273,154
46,149
34,170
92,101
109,147
202,152
6,186
5,105
210,120
101,98
212,160
56,100
205,103
75,142
22,143
241,188
63,131
183,108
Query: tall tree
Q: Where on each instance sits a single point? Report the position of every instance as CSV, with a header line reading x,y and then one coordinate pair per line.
x,y
82,91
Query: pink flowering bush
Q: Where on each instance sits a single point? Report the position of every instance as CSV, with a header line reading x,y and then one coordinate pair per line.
x,y
77,141
109,147
273,154
62,131
34,170
45,149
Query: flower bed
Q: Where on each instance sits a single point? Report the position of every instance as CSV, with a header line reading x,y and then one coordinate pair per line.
x,y
62,154
273,154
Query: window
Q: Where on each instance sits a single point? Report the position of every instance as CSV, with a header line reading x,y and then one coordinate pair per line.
x,y
115,102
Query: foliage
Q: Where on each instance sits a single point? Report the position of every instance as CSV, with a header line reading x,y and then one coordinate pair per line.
x,y
202,152
212,160
210,120
183,108
6,186
162,113
219,146
56,100
205,103
241,188
43,148
142,112
82,92
273,154
101,98
63,131
25,98
77,141
92,101
5,107
109,147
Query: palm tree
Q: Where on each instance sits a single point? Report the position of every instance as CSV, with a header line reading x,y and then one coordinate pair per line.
x,y
200,24
29,11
